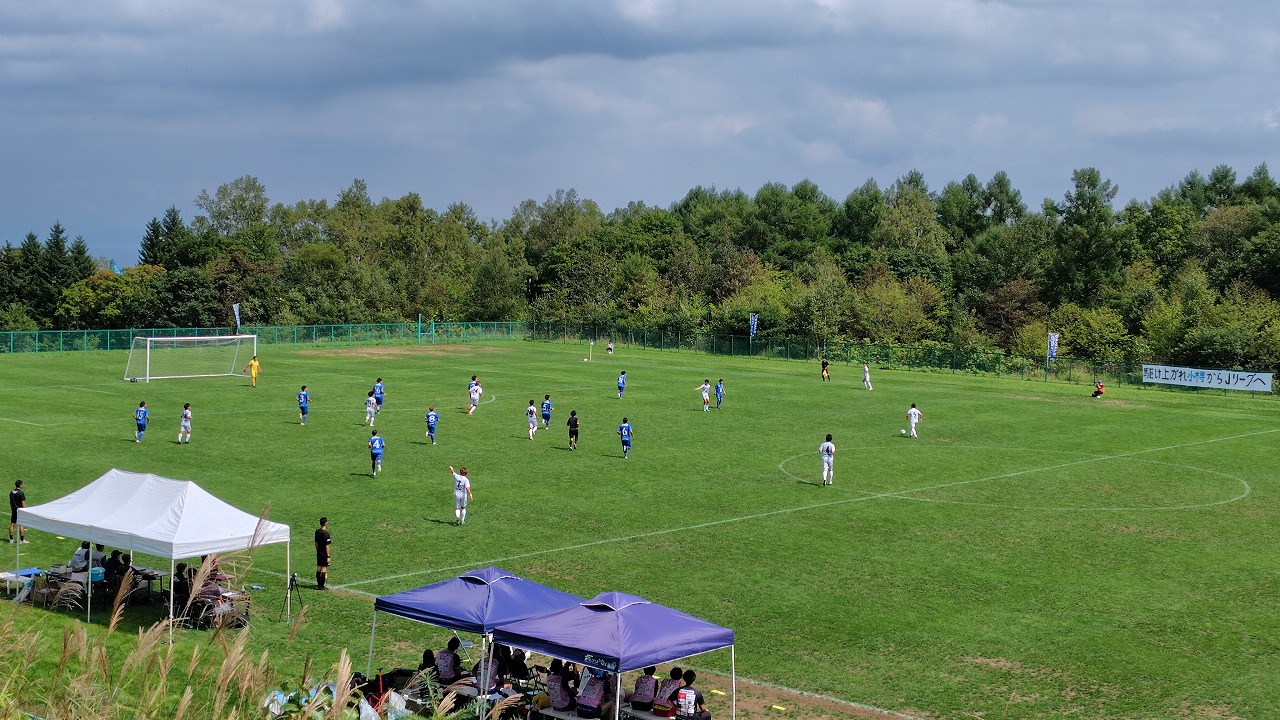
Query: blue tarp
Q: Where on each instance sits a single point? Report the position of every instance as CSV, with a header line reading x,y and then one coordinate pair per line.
x,y
616,632
476,602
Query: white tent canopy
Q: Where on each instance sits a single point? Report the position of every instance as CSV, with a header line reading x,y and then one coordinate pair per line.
x,y
149,514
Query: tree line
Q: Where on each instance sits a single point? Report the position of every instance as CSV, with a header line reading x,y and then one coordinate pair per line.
x,y
1191,276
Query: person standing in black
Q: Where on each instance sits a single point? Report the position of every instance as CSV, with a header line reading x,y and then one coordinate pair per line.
x,y
17,499
323,540
573,429
826,374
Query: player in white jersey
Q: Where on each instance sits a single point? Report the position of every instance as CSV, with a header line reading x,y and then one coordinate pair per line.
x,y
461,494
705,387
828,452
370,409
532,413
184,426
913,416
866,377
476,392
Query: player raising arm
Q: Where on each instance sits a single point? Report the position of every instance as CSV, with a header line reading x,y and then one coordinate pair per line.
x,y
461,494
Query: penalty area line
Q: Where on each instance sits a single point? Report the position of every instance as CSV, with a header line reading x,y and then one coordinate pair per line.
x,y
787,511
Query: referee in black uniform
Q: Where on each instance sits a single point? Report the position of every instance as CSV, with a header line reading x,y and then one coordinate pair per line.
x,y
323,540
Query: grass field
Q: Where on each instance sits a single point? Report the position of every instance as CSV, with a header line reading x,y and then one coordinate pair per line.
x,y
1035,553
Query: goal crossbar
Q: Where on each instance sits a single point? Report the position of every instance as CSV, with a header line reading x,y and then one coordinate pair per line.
x,y
167,357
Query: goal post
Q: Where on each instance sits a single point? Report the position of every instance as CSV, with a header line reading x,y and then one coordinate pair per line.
x,y
162,358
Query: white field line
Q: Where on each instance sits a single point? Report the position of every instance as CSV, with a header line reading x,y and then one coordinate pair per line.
x,y
22,422
786,511
804,693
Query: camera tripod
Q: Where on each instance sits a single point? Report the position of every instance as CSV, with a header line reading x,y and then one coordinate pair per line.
x,y
293,593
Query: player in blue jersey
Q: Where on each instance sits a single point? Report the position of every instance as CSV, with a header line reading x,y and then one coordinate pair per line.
x,y
379,390
546,411
140,419
432,418
376,444
719,392
625,432
622,384
304,403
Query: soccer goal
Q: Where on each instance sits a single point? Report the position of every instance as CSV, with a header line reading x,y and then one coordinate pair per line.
x,y
159,358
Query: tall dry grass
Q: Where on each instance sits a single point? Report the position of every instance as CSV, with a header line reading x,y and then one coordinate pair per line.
x,y
98,676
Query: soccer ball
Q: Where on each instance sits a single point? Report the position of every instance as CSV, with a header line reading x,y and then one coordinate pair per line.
x,y
584,359
903,431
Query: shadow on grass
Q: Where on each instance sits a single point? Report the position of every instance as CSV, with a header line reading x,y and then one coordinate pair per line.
x,y
438,521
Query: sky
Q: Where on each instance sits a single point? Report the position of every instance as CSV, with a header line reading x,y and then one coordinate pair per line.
x,y
113,110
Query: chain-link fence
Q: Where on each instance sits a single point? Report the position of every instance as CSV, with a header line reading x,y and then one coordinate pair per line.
x,y
934,358
930,358
23,341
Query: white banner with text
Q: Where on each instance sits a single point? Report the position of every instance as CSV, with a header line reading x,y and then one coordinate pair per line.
x,y
1195,377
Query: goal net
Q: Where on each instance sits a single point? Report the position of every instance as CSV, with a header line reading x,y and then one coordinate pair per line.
x,y
158,358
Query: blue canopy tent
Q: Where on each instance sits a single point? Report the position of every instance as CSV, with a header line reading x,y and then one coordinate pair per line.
x,y
618,633
474,602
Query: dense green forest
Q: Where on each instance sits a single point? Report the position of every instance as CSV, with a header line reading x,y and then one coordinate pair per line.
x,y
1191,276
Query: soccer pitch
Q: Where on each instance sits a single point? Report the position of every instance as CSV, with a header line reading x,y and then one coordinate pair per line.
x,y
1035,553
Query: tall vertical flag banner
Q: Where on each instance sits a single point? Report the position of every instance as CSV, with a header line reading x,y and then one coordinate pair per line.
x,y
116,268
755,321
1053,345
236,309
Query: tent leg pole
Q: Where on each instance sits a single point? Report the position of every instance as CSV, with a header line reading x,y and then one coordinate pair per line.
x,y
368,667
88,586
733,678
288,577
171,568
485,649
